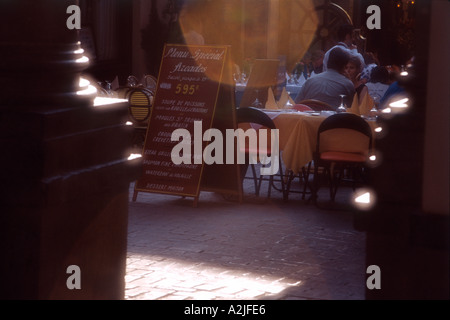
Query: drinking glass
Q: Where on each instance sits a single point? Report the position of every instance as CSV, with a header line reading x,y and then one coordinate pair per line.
x,y
257,103
108,87
236,77
373,113
288,105
342,107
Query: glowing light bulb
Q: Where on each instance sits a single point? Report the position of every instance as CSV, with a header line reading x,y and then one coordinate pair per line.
x,y
402,103
364,199
83,59
134,156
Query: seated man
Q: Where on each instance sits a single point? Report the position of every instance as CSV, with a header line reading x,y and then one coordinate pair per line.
x,y
329,85
345,38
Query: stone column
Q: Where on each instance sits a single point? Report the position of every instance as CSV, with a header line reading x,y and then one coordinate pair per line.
x,y
63,164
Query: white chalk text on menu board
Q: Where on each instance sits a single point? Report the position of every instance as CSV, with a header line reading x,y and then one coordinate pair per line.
x,y
188,87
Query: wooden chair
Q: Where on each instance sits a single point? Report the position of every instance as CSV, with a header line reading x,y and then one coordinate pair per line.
x,y
336,155
250,115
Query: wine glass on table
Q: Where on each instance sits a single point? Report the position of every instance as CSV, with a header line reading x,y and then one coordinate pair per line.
x,y
288,105
257,103
108,87
373,113
342,107
236,78
244,78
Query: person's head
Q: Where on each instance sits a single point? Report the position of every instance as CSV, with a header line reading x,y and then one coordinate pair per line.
x,y
353,67
338,59
345,34
379,74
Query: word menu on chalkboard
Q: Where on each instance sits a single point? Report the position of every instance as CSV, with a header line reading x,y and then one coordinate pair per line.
x,y
188,89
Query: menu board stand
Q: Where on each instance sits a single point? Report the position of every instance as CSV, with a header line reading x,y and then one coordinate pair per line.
x,y
224,178
194,94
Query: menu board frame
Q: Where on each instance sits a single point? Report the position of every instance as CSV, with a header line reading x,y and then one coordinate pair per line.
x,y
189,89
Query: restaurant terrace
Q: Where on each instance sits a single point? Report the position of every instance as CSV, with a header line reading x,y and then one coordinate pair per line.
x,y
199,150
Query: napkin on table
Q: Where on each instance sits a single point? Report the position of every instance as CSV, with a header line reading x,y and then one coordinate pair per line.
x,y
362,108
366,105
355,106
271,103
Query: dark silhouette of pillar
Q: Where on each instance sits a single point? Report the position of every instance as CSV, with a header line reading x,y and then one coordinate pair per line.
x,y
408,243
64,173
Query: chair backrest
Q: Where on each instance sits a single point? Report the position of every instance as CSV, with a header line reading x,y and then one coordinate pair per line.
x,y
349,123
249,116
317,105
140,102
254,115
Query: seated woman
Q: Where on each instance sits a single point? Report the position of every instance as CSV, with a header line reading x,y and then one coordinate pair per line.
x,y
353,71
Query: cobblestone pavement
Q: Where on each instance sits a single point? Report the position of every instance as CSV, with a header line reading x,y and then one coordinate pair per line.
x,y
258,249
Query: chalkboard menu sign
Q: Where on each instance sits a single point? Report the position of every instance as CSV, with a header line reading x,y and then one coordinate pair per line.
x,y
188,89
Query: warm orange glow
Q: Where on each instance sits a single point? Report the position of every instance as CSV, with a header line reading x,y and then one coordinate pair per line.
x,y
222,22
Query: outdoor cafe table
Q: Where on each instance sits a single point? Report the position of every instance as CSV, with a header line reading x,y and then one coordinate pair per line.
x,y
298,136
